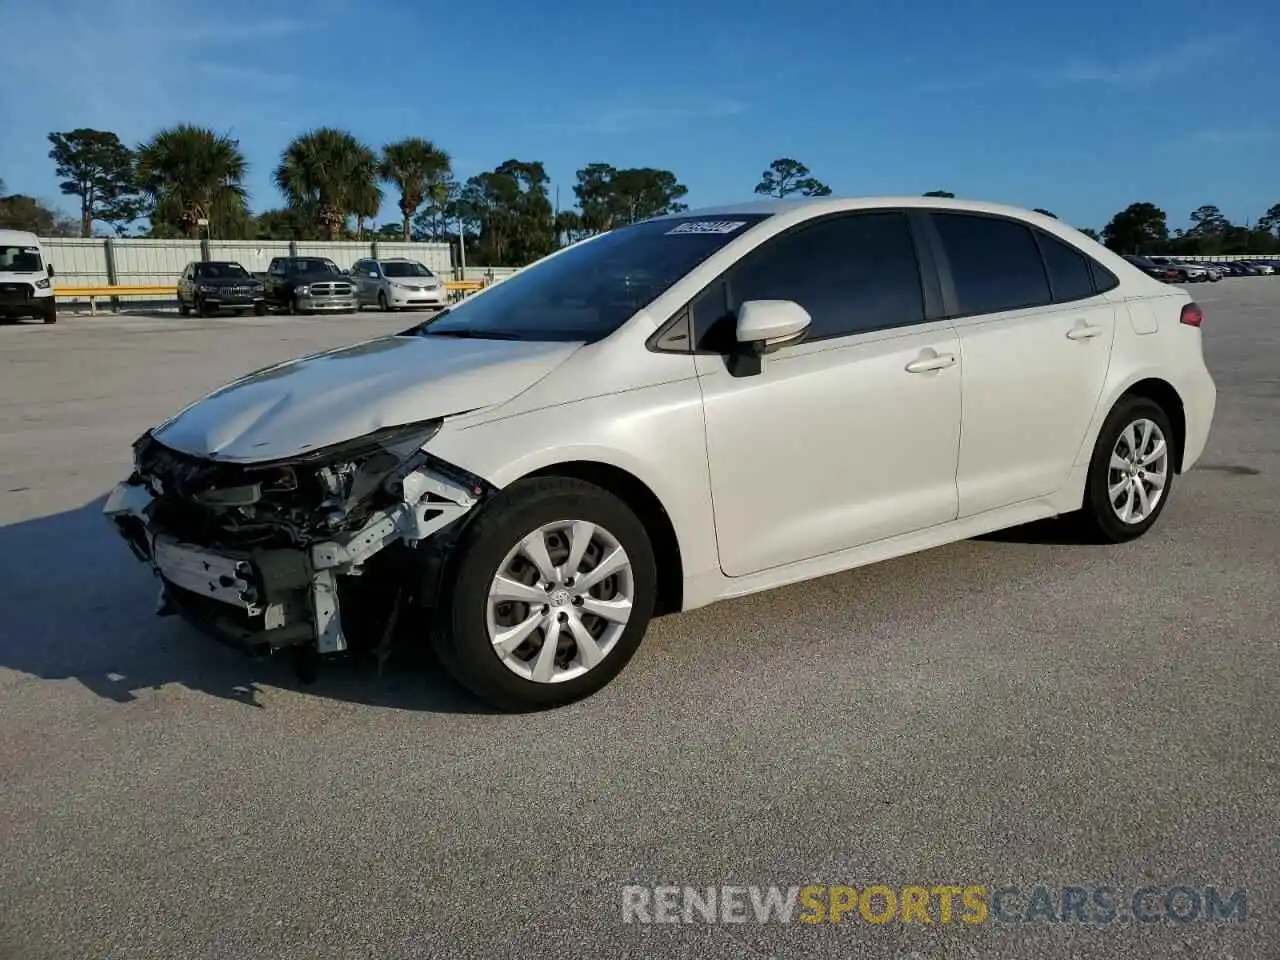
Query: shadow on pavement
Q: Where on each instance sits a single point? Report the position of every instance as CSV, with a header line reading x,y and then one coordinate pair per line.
x,y
1057,530
77,605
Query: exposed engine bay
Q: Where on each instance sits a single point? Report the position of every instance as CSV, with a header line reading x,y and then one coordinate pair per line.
x,y
273,554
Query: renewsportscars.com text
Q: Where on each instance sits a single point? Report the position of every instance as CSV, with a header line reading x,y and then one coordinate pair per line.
x,y
935,904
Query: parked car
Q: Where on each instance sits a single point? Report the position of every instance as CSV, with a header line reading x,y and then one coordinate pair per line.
x,y
26,278
1231,268
1157,271
303,285
686,409
398,283
207,286
1183,272
1213,271
1265,268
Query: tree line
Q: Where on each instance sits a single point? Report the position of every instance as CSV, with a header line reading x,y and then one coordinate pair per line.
x,y
188,181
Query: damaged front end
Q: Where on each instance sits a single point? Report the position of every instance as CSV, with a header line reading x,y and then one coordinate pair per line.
x,y
300,551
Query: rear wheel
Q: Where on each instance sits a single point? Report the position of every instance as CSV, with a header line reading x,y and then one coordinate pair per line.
x,y
552,590
1130,473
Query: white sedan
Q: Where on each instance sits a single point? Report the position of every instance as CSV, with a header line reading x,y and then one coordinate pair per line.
x,y
678,411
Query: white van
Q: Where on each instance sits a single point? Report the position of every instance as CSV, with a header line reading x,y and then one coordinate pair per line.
x,y
26,278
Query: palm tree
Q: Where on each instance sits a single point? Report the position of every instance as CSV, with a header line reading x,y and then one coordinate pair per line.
x,y
365,204
331,171
417,168
191,174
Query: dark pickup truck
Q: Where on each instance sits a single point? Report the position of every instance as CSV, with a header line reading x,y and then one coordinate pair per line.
x,y
301,285
208,286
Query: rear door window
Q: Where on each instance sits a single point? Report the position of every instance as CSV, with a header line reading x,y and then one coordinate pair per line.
x,y
1069,275
995,263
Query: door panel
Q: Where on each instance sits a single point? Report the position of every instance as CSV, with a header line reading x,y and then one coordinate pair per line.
x,y
1032,380
832,444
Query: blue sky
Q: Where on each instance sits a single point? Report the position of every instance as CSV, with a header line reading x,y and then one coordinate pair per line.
x,y
1077,107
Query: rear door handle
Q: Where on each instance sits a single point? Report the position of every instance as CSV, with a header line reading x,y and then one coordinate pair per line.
x,y
1084,332
930,361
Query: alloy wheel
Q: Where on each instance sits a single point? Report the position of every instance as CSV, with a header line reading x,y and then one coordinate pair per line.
x,y
1138,471
560,601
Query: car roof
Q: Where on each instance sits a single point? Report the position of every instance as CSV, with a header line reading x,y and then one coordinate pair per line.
x,y
836,204
19,236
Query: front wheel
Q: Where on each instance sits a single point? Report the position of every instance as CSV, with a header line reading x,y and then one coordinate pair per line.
x,y
259,309
553,587
1131,472
49,313
383,305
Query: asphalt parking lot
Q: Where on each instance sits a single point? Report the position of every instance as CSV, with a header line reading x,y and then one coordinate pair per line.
x,y
1009,711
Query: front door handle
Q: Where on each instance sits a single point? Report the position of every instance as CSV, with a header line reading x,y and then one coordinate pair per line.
x,y
1084,331
929,361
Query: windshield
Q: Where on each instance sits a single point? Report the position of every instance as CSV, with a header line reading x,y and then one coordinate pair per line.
x,y
405,268
20,259
588,291
221,271
318,265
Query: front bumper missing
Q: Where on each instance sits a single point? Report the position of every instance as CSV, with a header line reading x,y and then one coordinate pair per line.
x,y
282,596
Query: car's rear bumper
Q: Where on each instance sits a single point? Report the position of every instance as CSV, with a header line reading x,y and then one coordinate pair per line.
x,y
1199,403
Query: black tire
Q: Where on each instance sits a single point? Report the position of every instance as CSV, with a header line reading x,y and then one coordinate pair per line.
x,y
291,305
183,309
259,309
202,309
1097,517
460,636
383,305
49,312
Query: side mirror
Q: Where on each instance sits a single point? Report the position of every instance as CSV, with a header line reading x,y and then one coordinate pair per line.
x,y
373,274
50,269
765,325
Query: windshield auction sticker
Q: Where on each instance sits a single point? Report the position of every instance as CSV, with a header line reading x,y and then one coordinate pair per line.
x,y
708,226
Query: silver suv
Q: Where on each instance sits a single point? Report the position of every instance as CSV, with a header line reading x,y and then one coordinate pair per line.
x,y
398,283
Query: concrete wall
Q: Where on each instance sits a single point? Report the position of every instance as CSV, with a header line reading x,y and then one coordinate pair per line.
x,y
79,263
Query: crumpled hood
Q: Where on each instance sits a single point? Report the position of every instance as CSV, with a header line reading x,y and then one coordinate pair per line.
x,y
328,398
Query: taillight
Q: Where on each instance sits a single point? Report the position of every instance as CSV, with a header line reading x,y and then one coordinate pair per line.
x,y
1192,315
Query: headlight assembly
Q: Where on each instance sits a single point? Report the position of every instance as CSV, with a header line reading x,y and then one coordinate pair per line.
x,y
351,472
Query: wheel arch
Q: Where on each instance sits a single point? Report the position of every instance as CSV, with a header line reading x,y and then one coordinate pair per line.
x,y
1163,393
646,505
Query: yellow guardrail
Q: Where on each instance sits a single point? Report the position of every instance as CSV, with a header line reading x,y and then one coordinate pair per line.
x,y
92,294
140,290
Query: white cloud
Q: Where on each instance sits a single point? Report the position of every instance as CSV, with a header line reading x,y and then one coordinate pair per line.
x,y
1148,68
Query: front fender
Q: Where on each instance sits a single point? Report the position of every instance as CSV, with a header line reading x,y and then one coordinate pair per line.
x,y
655,433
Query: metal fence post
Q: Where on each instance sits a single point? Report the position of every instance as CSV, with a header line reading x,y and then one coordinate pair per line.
x,y
373,249
113,277
204,249
293,248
